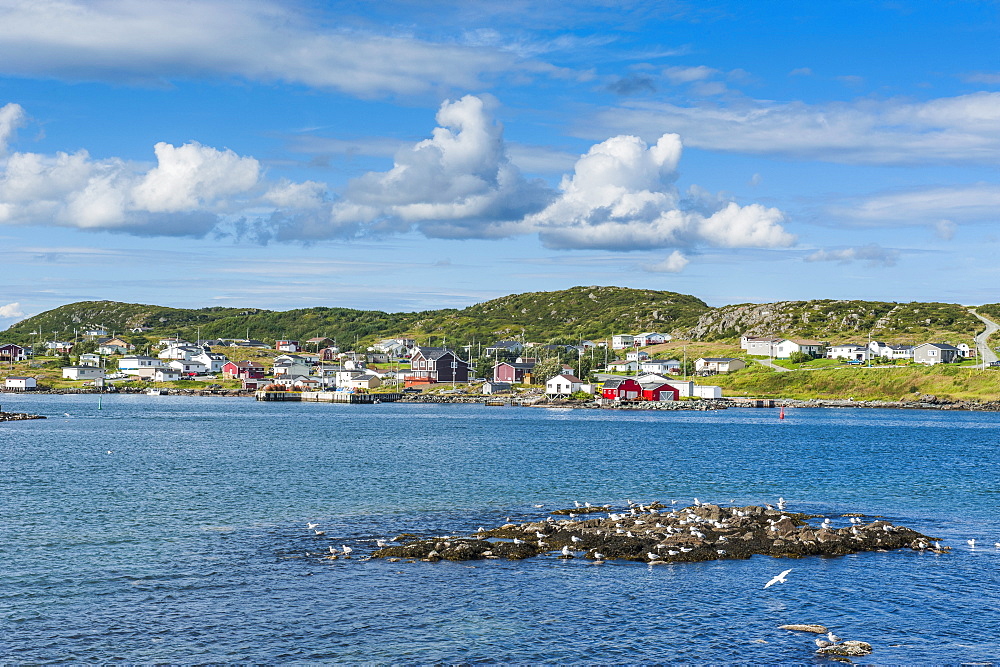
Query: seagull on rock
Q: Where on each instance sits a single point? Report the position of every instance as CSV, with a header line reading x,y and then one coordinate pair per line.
x,y
780,579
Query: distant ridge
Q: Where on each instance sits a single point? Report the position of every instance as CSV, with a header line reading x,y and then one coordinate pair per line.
x,y
585,312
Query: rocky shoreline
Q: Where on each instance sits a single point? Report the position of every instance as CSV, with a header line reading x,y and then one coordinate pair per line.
x,y
656,533
17,416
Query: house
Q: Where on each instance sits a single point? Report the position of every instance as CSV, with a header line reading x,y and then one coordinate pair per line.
x,y
848,351
20,384
181,352
438,364
329,353
659,391
495,387
82,373
377,358
290,368
651,338
894,352
564,385
759,347
139,330
242,370
287,346
253,385
364,381
623,389
11,352
965,351
319,343
59,346
166,374
935,353
213,361
173,341
712,365
636,355
511,371
114,346
622,341
135,362
90,359
94,333
623,366
785,348
299,382
670,366
707,391
190,367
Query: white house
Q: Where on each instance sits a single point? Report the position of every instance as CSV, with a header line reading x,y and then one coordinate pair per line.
x,y
166,374
566,384
90,359
366,381
290,368
651,338
786,347
623,366
181,352
660,366
20,384
759,346
622,341
880,349
709,365
848,351
965,351
82,373
636,355
213,361
188,367
135,362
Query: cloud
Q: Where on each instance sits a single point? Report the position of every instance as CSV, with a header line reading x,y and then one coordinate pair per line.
x,y
264,40
872,255
460,183
678,75
926,206
988,78
633,84
945,230
11,118
621,196
962,129
184,194
11,310
801,71
674,263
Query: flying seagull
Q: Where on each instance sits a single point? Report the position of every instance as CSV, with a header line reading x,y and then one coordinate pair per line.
x,y
780,579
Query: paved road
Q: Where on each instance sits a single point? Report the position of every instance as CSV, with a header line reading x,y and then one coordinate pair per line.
x,y
986,353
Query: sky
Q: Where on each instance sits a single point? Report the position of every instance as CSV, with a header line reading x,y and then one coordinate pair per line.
x,y
404,155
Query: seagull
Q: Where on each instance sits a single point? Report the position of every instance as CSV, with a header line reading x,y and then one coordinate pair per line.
x,y
539,535
517,541
66,414
110,452
566,551
481,530
537,506
333,551
997,545
651,556
576,503
381,544
832,637
971,543
320,532
822,643
780,579
697,502
576,539
347,550
598,556
312,526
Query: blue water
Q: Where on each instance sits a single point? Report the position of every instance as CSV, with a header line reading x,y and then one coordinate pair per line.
x,y
187,543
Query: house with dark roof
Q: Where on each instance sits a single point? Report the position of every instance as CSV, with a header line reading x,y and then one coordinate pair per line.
x,y
511,371
935,353
437,364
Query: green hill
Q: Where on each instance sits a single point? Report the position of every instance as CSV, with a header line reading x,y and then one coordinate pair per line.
x,y
559,316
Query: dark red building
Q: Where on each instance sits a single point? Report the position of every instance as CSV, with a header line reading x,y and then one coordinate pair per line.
x,y
625,389
438,364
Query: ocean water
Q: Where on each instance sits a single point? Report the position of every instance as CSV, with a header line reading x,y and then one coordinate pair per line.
x,y
172,529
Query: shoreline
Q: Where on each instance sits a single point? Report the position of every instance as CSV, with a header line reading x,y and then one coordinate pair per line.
x,y
922,402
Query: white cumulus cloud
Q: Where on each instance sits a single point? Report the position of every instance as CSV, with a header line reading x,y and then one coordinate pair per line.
x,y
621,196
11,118
674,263
11,310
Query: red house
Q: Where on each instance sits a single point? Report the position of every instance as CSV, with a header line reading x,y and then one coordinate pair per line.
x,y
11,352
288,346
243,370
621,390
655,391
512,372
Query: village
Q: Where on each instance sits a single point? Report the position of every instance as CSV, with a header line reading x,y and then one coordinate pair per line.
x,y
627,368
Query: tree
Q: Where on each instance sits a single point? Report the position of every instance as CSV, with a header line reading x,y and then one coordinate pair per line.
x,y
546,369
799,357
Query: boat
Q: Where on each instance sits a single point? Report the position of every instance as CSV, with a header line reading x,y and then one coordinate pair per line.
x,y
155,392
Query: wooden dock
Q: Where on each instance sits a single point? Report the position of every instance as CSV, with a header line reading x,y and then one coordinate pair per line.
x,y
326,396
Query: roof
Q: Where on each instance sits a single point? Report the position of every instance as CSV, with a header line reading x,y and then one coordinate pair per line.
x,y
940,346
571,378
719,359
806,341
524,366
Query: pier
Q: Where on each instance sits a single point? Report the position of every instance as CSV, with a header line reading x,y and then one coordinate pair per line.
x,y
327,396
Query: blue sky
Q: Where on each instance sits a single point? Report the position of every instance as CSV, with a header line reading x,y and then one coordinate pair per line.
x,y
412,155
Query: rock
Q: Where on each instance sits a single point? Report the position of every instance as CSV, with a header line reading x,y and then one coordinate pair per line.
x,y
805,627
849,649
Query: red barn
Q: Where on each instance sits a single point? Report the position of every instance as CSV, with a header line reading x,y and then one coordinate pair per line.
x,y
656,391
243,370
621,390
